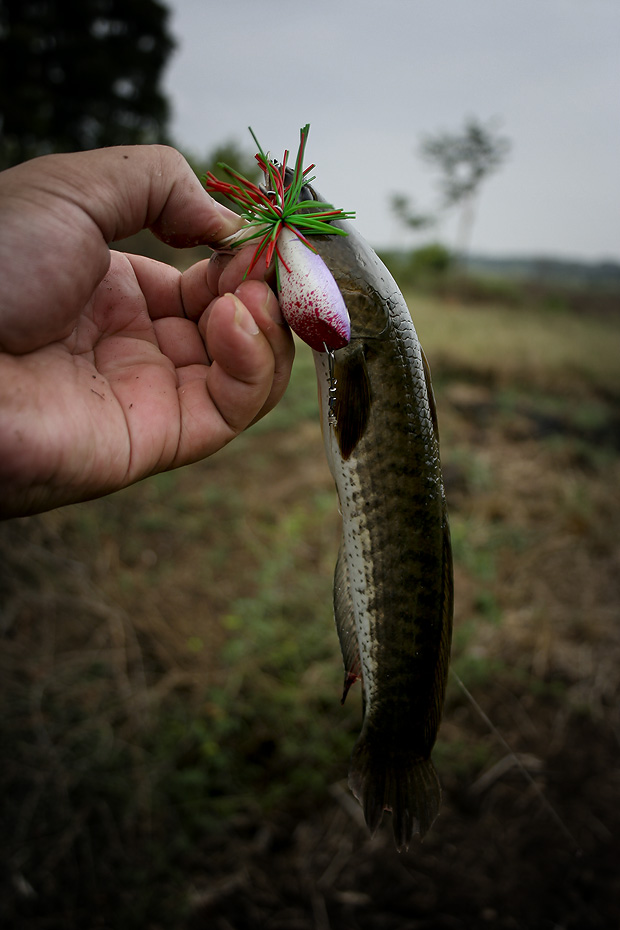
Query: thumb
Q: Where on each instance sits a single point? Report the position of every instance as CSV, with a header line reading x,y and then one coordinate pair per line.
x,y
126,188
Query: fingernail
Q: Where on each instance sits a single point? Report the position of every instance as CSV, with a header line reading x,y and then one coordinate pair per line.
x,y
228,214
269,305
244,319
232,221
273,310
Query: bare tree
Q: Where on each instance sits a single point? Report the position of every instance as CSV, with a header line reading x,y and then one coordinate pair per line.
x,y
465,159
407,213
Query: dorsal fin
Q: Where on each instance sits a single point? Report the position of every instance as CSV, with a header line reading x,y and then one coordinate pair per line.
x,y
353,399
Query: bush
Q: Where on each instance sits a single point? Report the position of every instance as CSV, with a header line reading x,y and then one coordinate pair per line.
x,y
420,267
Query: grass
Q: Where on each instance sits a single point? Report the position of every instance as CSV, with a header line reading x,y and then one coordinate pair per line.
x,y
524,347
170,672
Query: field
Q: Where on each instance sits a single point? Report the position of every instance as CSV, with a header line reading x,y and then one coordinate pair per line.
x,y
174,752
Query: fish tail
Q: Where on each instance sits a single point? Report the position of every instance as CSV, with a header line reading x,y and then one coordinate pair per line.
x,y
402,783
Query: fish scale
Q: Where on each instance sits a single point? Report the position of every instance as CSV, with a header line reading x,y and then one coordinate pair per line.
x,y
393,581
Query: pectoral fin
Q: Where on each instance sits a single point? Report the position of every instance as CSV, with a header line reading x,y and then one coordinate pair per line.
x,y
353,399
345,624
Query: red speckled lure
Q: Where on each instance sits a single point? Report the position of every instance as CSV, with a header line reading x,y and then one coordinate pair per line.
x,y
279,222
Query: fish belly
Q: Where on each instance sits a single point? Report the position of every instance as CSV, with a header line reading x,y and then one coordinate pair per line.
x,y
394,584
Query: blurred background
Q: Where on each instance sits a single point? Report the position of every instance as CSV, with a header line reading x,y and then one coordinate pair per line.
x,y
174,753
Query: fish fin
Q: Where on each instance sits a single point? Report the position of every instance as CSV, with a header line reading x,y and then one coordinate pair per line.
x,y
442,666
345,624
431,394
406,785
448,604
353,399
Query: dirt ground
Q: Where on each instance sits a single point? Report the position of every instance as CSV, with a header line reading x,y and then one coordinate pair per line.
x,y
116,611
534,840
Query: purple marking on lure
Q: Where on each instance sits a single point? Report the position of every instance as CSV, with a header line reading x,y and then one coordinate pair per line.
x,y
310,299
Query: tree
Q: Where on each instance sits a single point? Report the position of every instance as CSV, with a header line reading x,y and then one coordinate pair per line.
x,y
408,214
465,160
80,75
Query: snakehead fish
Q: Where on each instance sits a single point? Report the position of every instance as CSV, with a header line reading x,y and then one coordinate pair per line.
x,y
393,593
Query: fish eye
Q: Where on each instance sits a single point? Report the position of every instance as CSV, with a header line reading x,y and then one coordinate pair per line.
x,y
308,193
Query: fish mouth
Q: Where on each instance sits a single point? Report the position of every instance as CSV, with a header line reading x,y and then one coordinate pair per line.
x,y
356,269
307,192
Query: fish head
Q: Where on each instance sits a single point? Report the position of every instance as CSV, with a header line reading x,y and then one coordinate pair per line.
x,y
367,287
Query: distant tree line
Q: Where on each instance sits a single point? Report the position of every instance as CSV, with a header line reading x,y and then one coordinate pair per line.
x,y
78,75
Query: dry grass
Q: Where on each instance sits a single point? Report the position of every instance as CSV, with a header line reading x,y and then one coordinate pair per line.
x,y
174,746
546,349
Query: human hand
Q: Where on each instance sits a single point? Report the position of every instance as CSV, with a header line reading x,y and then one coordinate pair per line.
x,y
113,366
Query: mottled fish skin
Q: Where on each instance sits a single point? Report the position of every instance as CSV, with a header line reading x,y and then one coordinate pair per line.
x,y
393,582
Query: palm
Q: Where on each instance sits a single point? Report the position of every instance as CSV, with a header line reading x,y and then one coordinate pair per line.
x,y
114,367
131,392
107,394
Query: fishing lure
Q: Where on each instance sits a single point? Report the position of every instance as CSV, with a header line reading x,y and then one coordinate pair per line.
x,y
279,222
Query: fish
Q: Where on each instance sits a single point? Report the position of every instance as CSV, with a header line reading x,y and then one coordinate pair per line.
x,y
393,580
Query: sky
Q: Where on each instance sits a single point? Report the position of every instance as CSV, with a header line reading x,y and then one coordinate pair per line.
x,y
373,77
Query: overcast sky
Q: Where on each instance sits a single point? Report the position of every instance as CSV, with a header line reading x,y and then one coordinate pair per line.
x,y
373,76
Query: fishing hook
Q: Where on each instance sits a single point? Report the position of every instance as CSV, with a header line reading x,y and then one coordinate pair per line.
x,y
333,381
